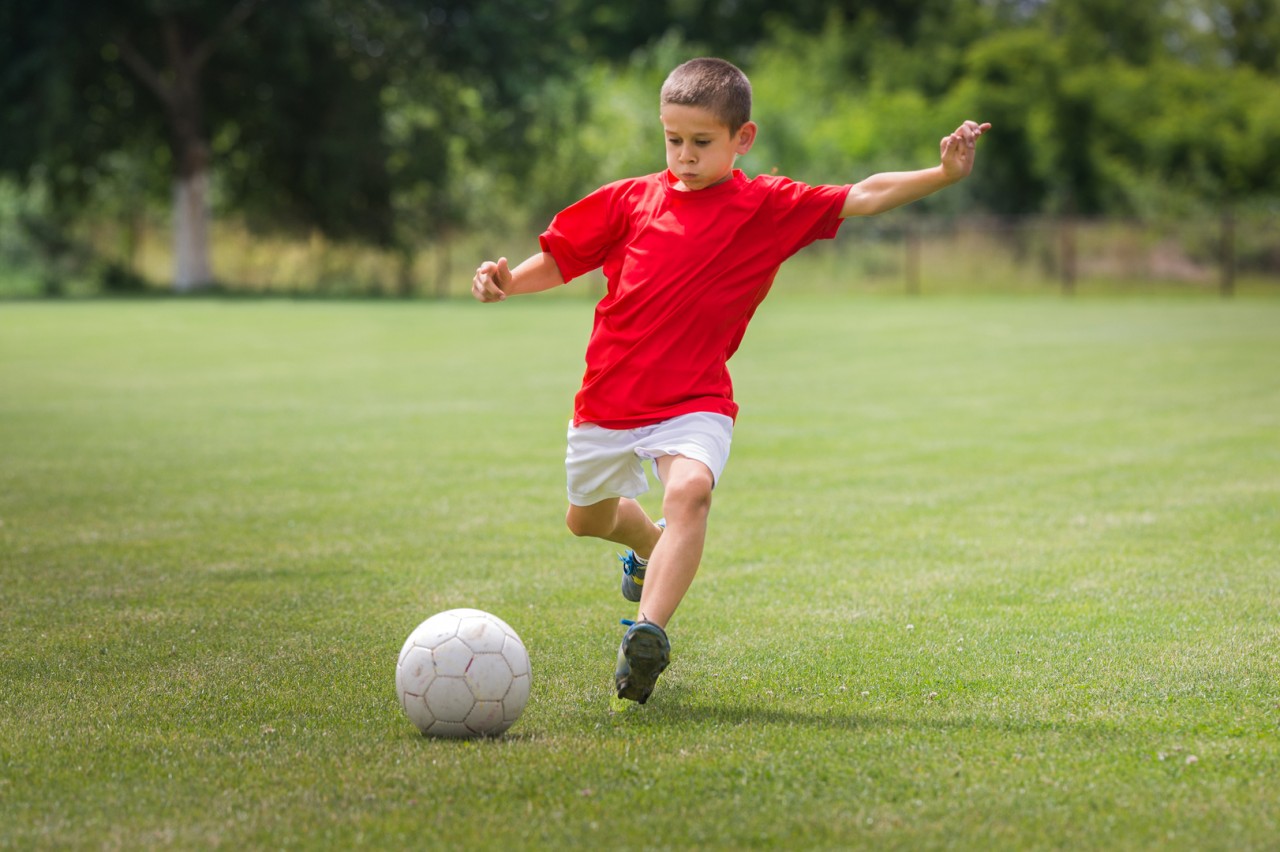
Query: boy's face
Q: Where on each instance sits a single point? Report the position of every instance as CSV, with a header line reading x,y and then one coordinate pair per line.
x,y
700,150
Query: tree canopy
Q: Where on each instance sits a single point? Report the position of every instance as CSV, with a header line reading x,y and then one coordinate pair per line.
x,y
395,123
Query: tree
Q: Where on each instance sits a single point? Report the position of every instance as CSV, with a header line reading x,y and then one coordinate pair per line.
x,y
177,84
398,123
267,103
354,117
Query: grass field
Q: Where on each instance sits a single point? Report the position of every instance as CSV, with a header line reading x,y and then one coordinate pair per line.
x,y
982,573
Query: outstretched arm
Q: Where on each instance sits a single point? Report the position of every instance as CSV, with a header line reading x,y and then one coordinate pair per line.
x,y
494,282
888,190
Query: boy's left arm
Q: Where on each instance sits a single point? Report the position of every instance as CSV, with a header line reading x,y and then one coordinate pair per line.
x,y
888,190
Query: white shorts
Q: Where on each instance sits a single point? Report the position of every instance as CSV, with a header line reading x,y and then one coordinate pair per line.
x,y
603,463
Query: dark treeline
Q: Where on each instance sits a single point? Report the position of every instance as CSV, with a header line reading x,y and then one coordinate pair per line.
x,y
399,123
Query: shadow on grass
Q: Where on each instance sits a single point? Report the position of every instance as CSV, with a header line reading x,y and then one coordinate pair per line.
x,y
683,708
678,710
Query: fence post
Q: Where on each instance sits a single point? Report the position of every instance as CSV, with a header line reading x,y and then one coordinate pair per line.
x,y
444,265
1227,254
1067,252
911,244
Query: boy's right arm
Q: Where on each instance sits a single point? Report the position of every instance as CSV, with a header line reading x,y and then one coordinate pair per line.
x,y
494,282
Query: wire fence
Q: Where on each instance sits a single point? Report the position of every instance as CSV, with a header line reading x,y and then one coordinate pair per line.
x,y
1069,254
1227,254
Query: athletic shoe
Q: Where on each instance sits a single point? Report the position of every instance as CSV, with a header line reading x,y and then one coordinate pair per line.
x,y
633,571
642,656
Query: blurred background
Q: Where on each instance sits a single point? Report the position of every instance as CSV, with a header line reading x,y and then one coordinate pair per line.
x,y
385,147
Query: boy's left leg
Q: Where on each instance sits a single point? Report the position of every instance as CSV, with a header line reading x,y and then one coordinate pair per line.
x,y
618,519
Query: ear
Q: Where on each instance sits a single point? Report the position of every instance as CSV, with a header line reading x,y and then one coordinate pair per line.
x,y
746,138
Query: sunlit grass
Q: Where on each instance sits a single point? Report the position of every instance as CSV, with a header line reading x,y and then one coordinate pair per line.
x,y
982,572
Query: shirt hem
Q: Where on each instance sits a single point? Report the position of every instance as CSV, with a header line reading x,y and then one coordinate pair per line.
x,y
729,410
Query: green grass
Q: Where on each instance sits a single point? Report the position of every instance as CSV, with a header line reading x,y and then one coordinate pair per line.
x,y
984,573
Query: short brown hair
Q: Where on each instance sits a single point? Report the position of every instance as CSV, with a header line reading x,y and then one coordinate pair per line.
x,y
714,85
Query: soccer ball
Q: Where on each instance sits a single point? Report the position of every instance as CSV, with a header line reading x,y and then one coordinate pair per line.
x,y
463,673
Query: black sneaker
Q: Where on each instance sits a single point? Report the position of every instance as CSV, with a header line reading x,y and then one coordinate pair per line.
x,y
643,654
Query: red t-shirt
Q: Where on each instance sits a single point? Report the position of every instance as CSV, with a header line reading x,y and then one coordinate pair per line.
x,y
686,272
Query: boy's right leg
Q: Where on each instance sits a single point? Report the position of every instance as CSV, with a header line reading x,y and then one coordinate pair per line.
x,y
686,506
645,651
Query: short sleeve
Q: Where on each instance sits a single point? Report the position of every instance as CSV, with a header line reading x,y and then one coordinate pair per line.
x,y
580,236
805,214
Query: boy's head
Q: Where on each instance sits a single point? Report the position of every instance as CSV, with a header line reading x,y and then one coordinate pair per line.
x,y
706,115
714,85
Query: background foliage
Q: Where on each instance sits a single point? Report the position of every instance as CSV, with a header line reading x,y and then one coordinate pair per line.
x,y
402,125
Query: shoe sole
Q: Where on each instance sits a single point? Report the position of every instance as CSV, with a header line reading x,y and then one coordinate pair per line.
x,y
644,656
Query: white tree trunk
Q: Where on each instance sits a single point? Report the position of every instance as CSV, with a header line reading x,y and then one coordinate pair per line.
x,y
191,267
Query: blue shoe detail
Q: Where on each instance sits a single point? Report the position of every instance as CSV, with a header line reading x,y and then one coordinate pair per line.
x,y
632,576
642,656
633,571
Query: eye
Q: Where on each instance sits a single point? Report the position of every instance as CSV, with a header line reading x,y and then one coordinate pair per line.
x,y
672,141
702,143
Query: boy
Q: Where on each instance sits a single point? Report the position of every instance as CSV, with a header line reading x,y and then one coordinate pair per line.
x,y
689,254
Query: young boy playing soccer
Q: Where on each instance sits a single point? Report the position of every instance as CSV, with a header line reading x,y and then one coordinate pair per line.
x,y
688,254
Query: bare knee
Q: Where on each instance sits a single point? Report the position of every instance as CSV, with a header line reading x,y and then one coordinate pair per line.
x,y
578,525
589,521
688,499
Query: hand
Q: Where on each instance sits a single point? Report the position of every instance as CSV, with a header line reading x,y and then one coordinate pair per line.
x,y
491,281
957,150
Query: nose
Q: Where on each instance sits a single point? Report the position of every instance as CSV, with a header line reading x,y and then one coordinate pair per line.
x,y
687,154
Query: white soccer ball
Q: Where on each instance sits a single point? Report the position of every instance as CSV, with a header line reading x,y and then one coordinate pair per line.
x,y
463,673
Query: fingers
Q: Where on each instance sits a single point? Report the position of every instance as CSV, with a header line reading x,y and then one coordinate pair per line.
x,y
955,147
483,287
965,136
970,131
490,279
961,142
